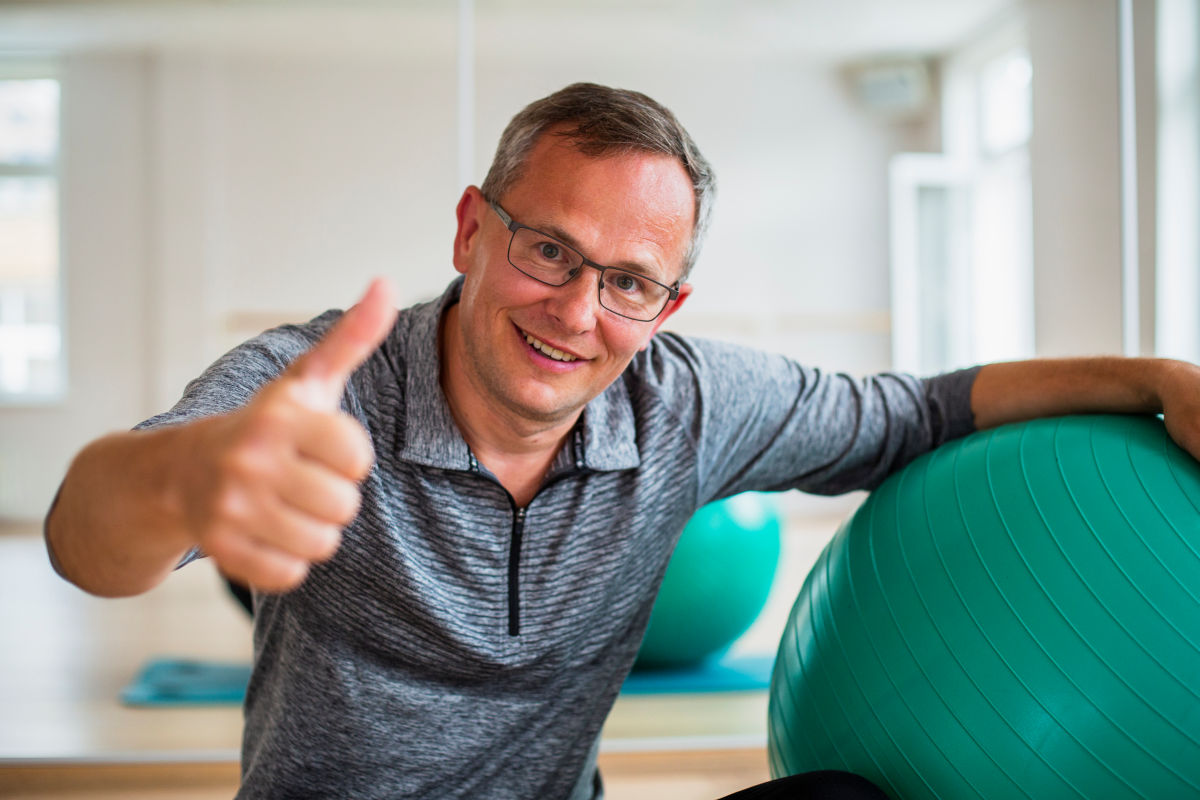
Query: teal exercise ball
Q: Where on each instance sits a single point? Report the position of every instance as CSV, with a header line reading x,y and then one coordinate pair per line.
x,y
717,582
1016,614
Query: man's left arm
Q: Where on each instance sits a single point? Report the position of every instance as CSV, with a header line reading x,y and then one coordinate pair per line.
x,y
1021,390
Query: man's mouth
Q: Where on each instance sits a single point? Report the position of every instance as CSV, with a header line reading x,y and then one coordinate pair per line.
x,y
552,352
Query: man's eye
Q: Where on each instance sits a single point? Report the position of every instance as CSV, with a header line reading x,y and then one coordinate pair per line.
x,y
550,251
627,283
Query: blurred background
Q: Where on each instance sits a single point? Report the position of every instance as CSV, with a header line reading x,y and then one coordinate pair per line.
x,y
916,185
908,184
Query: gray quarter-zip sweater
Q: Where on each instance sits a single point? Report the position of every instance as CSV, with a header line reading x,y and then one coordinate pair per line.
x,y
457,646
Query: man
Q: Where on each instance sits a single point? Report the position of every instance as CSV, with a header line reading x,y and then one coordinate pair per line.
x,y
513,464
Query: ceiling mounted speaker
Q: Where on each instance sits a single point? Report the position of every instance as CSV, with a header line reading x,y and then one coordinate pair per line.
x,y
897,89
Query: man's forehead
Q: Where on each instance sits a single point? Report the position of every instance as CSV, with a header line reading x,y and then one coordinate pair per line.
x,y
647,175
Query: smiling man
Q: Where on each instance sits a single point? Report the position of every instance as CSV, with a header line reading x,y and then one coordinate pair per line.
x,y
525,356
456,519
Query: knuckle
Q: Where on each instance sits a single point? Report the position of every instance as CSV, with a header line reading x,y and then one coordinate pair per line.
x,y
249,464
271,419
326,543
238,464
280,576
365,462
229,505
281,413
262,429
348,503
363,453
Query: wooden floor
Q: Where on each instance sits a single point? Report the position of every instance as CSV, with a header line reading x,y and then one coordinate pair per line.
x,y
688,775
64,656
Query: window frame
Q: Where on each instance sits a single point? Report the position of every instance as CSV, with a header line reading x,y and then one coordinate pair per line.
x,y
43,68
963,167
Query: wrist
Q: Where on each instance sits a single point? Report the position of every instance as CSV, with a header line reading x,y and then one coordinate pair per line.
x,y
109,530
177,464
1174,379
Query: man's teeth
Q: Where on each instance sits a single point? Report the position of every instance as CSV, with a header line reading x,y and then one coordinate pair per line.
x,y
555,353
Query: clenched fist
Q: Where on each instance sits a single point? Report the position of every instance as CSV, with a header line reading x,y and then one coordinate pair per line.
x,y
270,487
265,491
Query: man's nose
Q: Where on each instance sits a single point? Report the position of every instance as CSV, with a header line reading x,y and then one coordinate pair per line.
x,y
577,302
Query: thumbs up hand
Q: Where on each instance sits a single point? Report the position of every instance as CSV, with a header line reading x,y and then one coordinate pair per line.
x,y
271,486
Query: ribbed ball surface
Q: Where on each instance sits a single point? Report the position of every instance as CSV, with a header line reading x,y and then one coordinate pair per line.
x,y
1016,614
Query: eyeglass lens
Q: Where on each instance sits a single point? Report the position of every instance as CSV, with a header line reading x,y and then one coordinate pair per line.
x,y
625,293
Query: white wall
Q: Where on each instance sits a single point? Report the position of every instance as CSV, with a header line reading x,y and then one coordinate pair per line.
x,y
104,223
1076,175
210,192
284,184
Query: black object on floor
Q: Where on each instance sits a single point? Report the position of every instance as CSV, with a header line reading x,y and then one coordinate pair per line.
x,y
826,784
241,594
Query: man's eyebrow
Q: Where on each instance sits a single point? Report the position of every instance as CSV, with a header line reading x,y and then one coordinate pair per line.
x,y
561,235
569,240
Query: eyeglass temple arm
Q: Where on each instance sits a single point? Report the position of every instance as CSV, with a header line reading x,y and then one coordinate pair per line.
x,y
504,217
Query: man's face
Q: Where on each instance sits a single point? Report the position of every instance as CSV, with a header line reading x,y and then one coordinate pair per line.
x,y
633,211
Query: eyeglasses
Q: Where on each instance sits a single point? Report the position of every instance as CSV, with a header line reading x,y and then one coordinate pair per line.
x,y
549,261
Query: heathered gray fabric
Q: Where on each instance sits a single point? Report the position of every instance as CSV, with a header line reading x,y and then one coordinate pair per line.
x,y
392,671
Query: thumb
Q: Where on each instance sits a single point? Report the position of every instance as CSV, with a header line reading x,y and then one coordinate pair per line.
x,y
329,364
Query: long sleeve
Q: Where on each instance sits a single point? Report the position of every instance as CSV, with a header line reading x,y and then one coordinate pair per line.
x,y
764,422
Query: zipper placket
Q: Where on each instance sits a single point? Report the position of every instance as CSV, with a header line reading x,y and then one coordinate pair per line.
x,y
518,532
514,571
514,553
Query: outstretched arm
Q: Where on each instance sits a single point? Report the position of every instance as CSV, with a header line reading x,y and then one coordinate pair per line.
x,y
264,490
1022,390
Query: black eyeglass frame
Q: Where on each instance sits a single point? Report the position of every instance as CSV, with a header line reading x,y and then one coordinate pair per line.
x,y
514,226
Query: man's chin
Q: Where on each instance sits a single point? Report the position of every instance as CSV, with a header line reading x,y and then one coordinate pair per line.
x,y
535,398
548,415
545,410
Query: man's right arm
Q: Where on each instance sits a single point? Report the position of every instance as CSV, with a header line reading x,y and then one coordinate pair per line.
x,y
263,490
115,529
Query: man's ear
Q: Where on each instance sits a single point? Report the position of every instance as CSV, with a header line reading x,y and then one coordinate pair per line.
x,y
470,211
684,292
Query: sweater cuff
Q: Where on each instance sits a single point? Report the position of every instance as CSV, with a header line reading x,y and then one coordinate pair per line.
x,y
949,398
46,535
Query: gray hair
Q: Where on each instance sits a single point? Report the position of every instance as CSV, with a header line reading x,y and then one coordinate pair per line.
x,y
601,121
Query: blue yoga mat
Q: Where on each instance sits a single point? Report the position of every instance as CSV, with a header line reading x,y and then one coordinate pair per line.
x,y
186,682
726,675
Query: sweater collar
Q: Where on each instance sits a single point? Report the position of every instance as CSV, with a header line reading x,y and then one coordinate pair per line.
x,y
607,434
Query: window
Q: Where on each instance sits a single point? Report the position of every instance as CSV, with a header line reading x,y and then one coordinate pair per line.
x,y
1177,317
962,249
31,363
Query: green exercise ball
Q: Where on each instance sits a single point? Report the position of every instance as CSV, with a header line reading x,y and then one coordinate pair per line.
x,y
1016,614
717,582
